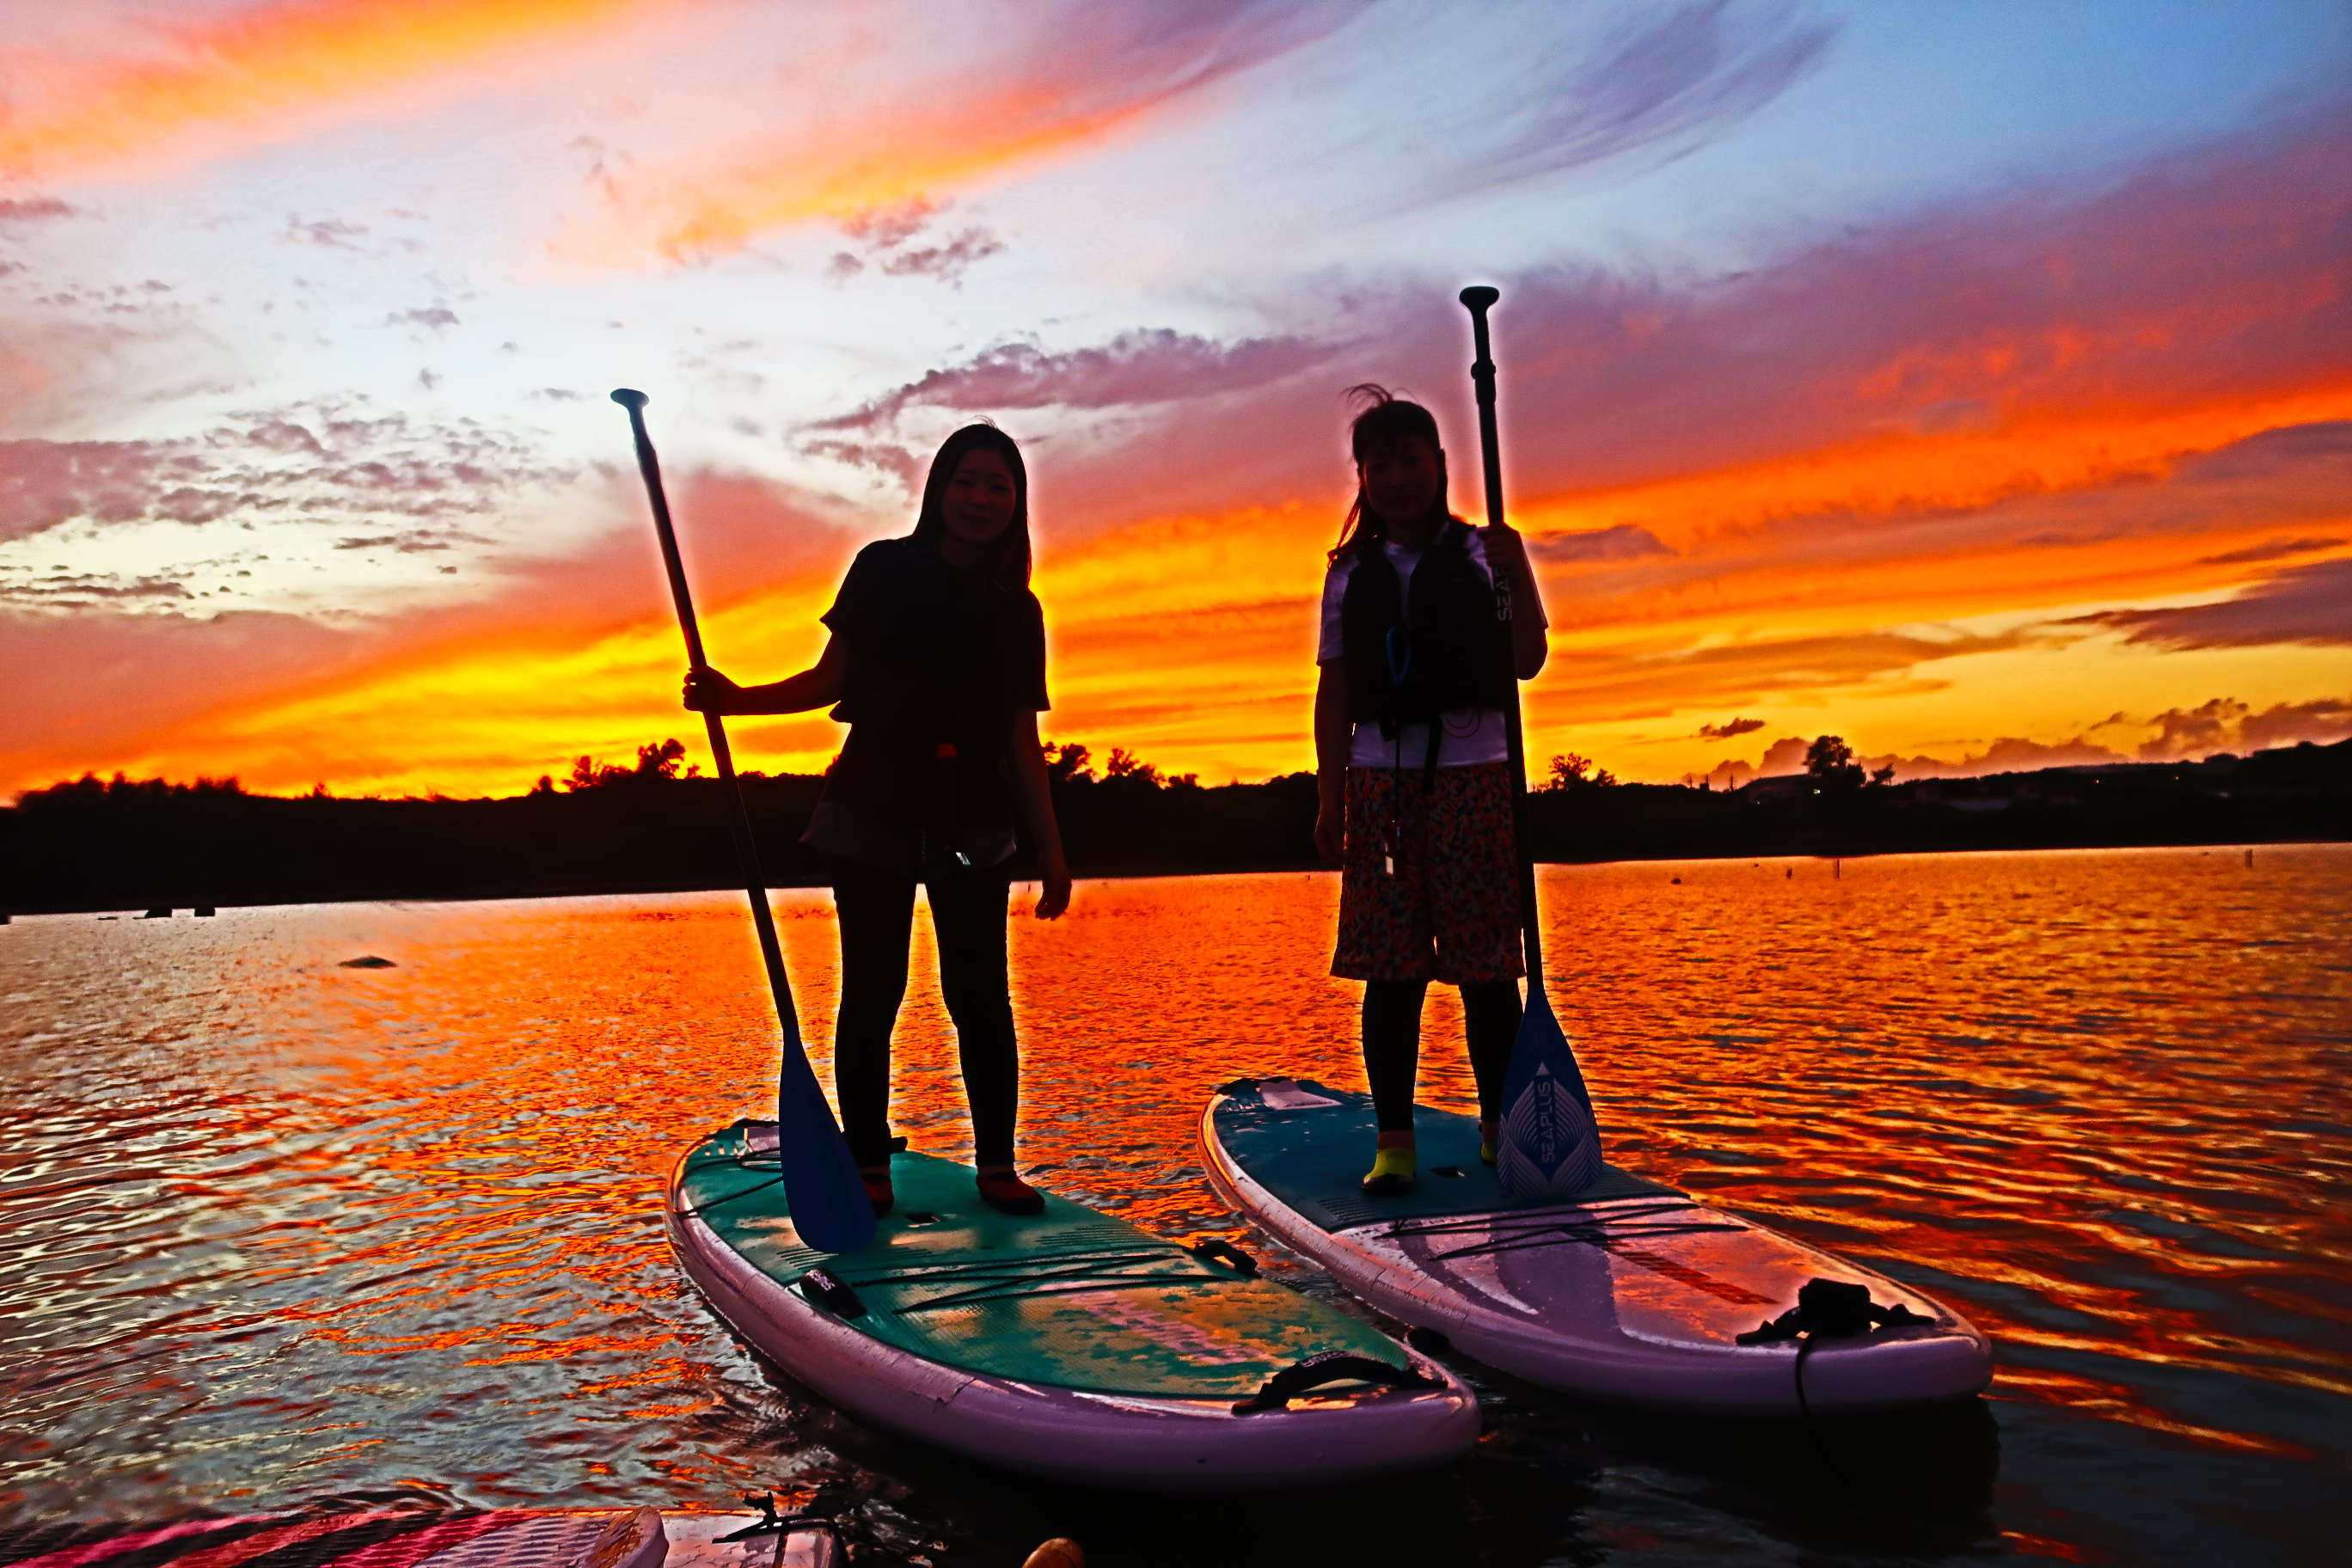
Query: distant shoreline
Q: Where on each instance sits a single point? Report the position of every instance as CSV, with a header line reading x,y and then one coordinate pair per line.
x,y
98,846
479,895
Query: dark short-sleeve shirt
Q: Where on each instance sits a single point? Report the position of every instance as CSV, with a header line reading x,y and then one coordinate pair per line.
x,y
932,655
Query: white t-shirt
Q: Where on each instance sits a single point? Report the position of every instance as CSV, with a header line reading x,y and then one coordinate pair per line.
x,y
1468,736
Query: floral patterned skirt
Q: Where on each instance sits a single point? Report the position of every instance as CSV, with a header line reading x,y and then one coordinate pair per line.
x,y
1431,888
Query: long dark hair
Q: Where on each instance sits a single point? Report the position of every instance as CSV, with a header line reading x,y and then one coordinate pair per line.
x,y
1011,564
1384,420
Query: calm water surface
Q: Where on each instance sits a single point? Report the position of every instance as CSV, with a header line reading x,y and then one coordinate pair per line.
x,y
276,1228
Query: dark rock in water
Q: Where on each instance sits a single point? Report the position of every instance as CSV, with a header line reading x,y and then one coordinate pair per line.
x,y
156,915
370,962
202,909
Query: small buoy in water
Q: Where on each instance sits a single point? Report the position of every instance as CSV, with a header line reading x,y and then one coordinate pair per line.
x,y
1059,1552
369,962
1677,882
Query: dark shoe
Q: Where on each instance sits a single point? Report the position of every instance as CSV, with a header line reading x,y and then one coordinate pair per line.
x,y
1009,1194
879,1190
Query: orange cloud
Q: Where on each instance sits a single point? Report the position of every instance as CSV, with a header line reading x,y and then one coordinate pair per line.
x,y
1094,73
1191,639
1921,485
716,202
265,72
490,712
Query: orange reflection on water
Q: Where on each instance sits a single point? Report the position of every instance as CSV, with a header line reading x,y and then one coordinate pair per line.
x,y
307,1227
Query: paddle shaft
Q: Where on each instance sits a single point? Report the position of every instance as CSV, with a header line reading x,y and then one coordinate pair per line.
x,y
1477,299
738,816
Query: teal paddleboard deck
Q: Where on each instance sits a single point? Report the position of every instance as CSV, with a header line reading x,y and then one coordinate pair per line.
x,y
1313,1158
1626,1289
1070,1342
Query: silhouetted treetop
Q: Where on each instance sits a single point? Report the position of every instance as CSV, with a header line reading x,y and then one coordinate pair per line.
x,y
1574,771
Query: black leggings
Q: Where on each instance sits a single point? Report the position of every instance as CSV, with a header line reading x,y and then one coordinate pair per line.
x,y
1490,1016
877,909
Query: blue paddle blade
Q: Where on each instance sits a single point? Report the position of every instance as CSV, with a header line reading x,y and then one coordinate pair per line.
x,y
1550,1146
830,1208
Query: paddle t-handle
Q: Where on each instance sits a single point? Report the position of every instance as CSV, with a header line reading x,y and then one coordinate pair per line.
x,y
1479,299
829,1205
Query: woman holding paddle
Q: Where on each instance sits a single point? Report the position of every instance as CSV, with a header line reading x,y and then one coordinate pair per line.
x,y
937,662
1411,766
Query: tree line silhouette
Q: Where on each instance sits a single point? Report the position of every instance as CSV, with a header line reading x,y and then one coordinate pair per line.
x,y
656,824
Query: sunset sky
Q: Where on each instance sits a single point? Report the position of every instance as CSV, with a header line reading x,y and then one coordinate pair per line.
x,y
1973,382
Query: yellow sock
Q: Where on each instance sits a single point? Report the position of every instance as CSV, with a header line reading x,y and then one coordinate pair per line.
x,y
1393,1169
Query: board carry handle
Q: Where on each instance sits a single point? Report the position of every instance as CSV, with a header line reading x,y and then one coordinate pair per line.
x,y
1216,1249
1330,1366
826,1289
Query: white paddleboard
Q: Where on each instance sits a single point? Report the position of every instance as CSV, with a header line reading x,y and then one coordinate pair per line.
x,y
1069,1345
1631,1291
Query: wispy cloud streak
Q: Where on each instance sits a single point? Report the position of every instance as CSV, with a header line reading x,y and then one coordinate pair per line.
x,y
1079,75
1137,368
1673,76
2310,605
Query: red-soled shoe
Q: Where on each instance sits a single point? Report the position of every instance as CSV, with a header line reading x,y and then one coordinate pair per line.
x,y
1008,1193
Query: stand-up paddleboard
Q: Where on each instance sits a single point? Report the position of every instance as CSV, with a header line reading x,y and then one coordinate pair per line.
x,y
1630,1292
1070,1345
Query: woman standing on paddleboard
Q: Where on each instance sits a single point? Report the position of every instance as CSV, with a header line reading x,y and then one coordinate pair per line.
x,y
937,662
1411,766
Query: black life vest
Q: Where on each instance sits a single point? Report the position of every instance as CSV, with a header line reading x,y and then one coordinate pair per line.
x,y
1407,663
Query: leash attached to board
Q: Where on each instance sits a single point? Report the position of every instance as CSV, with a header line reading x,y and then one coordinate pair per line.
x,y
829,1205
1550,1145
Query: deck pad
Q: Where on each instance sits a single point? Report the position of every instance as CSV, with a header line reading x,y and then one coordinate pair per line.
x,y
1310,1147
1070,1299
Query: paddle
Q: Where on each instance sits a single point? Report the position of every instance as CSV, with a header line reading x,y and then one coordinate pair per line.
x,y
830,1208
1550,1145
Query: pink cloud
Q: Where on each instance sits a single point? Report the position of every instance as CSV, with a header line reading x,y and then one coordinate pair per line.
x,y
1624,541
2212,274
107,681
1048,82
2271,550
325,462
886,235
2310,605
31,209
1136,368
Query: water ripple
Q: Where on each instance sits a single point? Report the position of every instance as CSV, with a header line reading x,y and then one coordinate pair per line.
x,y
280,1228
